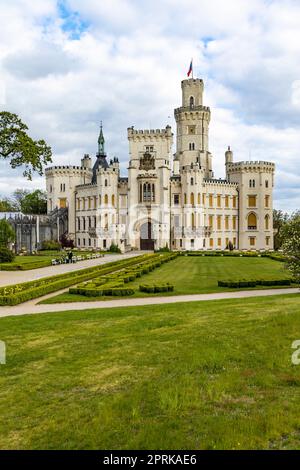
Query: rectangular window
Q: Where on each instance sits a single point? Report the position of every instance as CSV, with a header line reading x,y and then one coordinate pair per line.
x,y
226,201
227,222
192,243
62,203
234,201
176,199
104,243
84,241
78,242
180,243
211,196
211,221
219,200
234,242
267,201
219,242
90,242
203,199
251,201
219,222
227,242
234,222
267,241
252,241
211,242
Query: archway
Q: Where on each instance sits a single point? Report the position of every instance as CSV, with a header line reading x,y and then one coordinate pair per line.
x,y
146,237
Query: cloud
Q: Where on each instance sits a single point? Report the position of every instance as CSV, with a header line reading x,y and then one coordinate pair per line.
x,y
66,65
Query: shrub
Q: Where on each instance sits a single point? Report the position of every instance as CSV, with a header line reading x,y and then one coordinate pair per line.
x,y
254,282
50,245
152,288
114,248
6,255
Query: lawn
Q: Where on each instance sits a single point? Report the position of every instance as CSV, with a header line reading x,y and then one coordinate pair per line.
x,y
44,258
196,275
206,375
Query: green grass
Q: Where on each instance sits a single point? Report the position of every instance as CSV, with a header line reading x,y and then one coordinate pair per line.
x,y
203,375
195,275
44,258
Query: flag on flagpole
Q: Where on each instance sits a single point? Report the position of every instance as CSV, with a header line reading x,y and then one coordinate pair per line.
x,y
190,69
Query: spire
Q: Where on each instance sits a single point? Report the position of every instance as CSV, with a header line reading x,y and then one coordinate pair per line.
x,y
101,141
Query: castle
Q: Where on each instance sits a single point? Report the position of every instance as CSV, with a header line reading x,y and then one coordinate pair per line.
x,y
167,200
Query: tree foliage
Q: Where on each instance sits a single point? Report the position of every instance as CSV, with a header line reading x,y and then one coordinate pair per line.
x,y
7,234
34,203
19,148
291,245
280,220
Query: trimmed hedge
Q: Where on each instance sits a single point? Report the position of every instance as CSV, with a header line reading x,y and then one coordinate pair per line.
x,y
114,283
25,266
153,288
255,282
247,254
18,293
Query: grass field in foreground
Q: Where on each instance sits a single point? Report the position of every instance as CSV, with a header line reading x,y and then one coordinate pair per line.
x,y
196,275
207,375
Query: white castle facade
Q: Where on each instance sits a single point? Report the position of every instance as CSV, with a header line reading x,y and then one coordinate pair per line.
x,y
167,200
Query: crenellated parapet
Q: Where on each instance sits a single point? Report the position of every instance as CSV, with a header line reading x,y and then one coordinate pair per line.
x,y
138,135
250,166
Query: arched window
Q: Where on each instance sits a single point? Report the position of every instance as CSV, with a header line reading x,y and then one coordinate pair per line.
x,y
199,198
105,183
192,199
191,102
252,221
106,199
191,146
185,198
141,193
113,200
267,183
267,222
192,181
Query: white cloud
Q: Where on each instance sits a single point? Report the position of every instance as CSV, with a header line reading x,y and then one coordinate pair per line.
x,y
125,63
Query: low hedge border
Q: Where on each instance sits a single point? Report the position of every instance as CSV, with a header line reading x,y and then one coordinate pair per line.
x,y
113,283
247,254
18,293
255,282
153,288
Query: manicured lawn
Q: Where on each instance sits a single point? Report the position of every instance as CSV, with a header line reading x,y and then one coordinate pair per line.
x,y
207,375
196,275
44,258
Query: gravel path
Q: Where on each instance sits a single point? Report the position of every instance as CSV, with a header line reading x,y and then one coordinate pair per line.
x,y
32,308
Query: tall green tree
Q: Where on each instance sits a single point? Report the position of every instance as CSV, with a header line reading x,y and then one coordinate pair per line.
x,y
280,219
34,203
7,205
19,148
291,245
7,234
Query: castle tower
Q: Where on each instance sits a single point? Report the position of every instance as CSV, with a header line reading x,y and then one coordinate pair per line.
x,y
255,186
192,120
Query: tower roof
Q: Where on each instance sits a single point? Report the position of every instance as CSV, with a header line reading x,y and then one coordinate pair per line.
x,y
101,141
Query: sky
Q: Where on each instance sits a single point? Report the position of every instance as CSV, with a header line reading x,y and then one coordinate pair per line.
x,y
67,65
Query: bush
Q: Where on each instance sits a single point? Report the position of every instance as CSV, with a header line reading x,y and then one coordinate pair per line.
x,y
254,283
50,245
6,256
114,248
153,288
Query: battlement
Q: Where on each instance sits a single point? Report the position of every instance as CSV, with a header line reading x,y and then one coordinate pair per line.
x,y
191,82
66,169
145,134
254,166
219,182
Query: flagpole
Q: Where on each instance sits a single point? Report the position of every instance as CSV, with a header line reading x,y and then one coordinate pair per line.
x,y
192,68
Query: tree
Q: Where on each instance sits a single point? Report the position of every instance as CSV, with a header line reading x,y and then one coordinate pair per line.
x,y
7,205
291,245
34,203
280,219
18,196
17,146
7,234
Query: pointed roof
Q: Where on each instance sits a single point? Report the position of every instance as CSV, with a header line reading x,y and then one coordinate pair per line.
x,y
101,141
